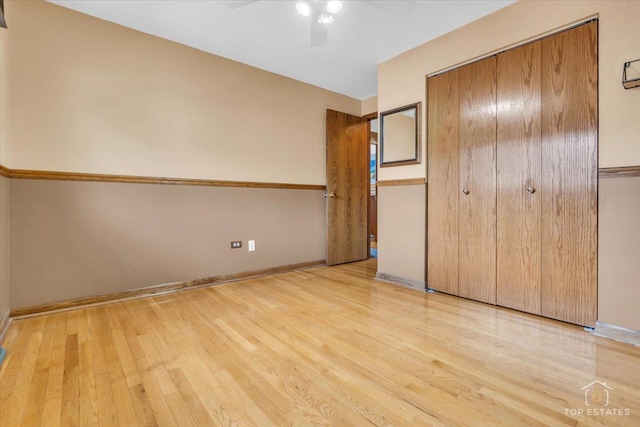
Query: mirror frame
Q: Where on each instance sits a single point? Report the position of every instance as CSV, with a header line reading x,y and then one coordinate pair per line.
x,y
417,158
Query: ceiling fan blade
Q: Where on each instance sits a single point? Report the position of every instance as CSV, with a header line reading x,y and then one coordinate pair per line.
x,y
399,8
319,33
3,22
234,4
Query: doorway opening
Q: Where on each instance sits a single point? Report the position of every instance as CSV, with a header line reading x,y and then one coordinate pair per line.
x,y
373,193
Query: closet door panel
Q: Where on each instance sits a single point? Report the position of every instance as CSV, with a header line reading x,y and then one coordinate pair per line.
x,y
569,175
477,191
443,178
519,175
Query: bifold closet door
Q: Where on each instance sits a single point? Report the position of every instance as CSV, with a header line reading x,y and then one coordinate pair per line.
x,y
570,175
443,178
519,174
477,191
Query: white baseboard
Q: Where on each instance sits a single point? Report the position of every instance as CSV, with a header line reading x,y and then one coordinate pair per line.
x,y
617,333
397,280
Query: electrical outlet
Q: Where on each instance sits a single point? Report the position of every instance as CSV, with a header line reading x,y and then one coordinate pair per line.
x,y
236,245
252,245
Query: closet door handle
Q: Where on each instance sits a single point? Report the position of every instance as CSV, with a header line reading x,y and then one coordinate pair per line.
x,y
466,192
531,190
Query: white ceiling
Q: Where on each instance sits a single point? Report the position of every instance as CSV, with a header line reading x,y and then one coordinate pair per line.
x,y
271,35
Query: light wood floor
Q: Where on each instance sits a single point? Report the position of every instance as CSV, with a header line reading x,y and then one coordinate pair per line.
x,y
328,346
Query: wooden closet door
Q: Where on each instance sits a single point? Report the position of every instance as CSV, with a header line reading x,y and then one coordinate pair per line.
x,y
443,178
519,170
570,175
477,191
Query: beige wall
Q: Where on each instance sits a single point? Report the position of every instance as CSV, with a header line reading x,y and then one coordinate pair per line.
x,y
5,296
4,185
369,105
401,81
619,252
91,96
402,210
76,239
4,94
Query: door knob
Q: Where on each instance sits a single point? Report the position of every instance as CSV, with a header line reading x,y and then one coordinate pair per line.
x,y
531,190
466,192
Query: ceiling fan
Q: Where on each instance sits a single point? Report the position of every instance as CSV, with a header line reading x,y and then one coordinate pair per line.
x,y
322,13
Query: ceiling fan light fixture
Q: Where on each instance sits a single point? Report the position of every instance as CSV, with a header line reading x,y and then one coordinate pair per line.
x,y
334,6
325,19
303,8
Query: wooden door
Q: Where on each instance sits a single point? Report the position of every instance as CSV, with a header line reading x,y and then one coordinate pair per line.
x,y
347,188
519,175
443,178
570,175
477,191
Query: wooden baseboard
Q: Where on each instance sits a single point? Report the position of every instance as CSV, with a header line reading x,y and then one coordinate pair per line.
x,y
150,291
617,333
5,321
396,280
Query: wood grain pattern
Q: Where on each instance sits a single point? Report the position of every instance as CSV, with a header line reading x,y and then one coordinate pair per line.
x,y
619,172
399,182
132,179
371,116
443,177
348,179
329,346
570,175
159,289
477,210
519,167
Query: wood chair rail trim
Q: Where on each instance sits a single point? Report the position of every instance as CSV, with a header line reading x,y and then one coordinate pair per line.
x,y
619,172
134,179
398,182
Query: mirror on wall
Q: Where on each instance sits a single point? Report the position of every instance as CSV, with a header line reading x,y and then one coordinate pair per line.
x,y
400,136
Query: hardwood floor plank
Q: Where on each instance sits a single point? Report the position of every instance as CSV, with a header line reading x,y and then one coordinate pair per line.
x,y
122,400
54,359
190,399
327,346
155,364
126,359
34,403
14,406
141,406
87,385
70,383
161,409
106,404
52,412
